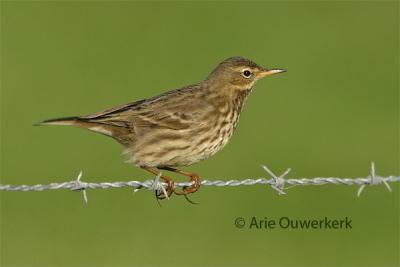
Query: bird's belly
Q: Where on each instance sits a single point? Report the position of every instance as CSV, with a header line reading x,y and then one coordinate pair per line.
x,y
182,147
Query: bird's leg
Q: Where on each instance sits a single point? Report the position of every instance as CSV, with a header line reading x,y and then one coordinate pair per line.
x,y
193,178
169,181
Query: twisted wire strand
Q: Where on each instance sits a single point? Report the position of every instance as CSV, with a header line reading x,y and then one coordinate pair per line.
x,y
276,182
148,183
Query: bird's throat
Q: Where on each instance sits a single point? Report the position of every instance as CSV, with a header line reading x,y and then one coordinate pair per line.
x,y
239,98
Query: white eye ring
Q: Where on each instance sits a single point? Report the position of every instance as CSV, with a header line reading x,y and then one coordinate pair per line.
x,y
247,73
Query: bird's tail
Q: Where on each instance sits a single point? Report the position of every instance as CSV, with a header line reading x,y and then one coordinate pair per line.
x,y
61,121
110,128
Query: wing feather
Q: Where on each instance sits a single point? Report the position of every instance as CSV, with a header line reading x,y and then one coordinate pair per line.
x,y
169,110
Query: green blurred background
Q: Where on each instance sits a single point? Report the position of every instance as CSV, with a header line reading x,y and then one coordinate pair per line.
x,y
331,114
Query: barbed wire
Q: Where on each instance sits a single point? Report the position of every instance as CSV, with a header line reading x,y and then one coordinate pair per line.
x,y
275,182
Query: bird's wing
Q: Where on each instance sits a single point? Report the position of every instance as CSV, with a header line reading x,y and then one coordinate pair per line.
x,y
171,110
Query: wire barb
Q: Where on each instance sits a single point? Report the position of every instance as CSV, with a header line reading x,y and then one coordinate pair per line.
x,y
373,180
80,186
278,181
157,185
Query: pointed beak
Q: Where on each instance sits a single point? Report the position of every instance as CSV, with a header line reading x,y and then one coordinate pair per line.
x,y
264,73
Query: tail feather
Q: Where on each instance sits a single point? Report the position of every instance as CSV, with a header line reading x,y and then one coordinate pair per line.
x,y
60,121
118,132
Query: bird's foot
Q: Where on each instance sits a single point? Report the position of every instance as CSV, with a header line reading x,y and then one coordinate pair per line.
x,y
192,188
194,178
160,194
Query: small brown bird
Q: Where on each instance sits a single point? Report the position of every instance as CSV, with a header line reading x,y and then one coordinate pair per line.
x,y
179,127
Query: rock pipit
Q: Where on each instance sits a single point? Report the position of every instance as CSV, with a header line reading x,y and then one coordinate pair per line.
x,y
179,127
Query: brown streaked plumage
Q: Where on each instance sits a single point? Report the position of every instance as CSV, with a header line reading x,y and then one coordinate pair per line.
x,y
179,127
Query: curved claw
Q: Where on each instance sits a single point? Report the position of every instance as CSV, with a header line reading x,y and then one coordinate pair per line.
x,y
189,200
185,192
157,197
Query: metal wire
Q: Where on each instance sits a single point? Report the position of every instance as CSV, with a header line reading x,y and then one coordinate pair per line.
x,y
276,182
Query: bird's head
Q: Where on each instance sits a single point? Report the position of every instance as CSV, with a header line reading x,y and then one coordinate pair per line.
x,y
239,73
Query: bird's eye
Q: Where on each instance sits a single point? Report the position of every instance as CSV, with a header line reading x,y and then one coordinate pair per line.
x,y
246,73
